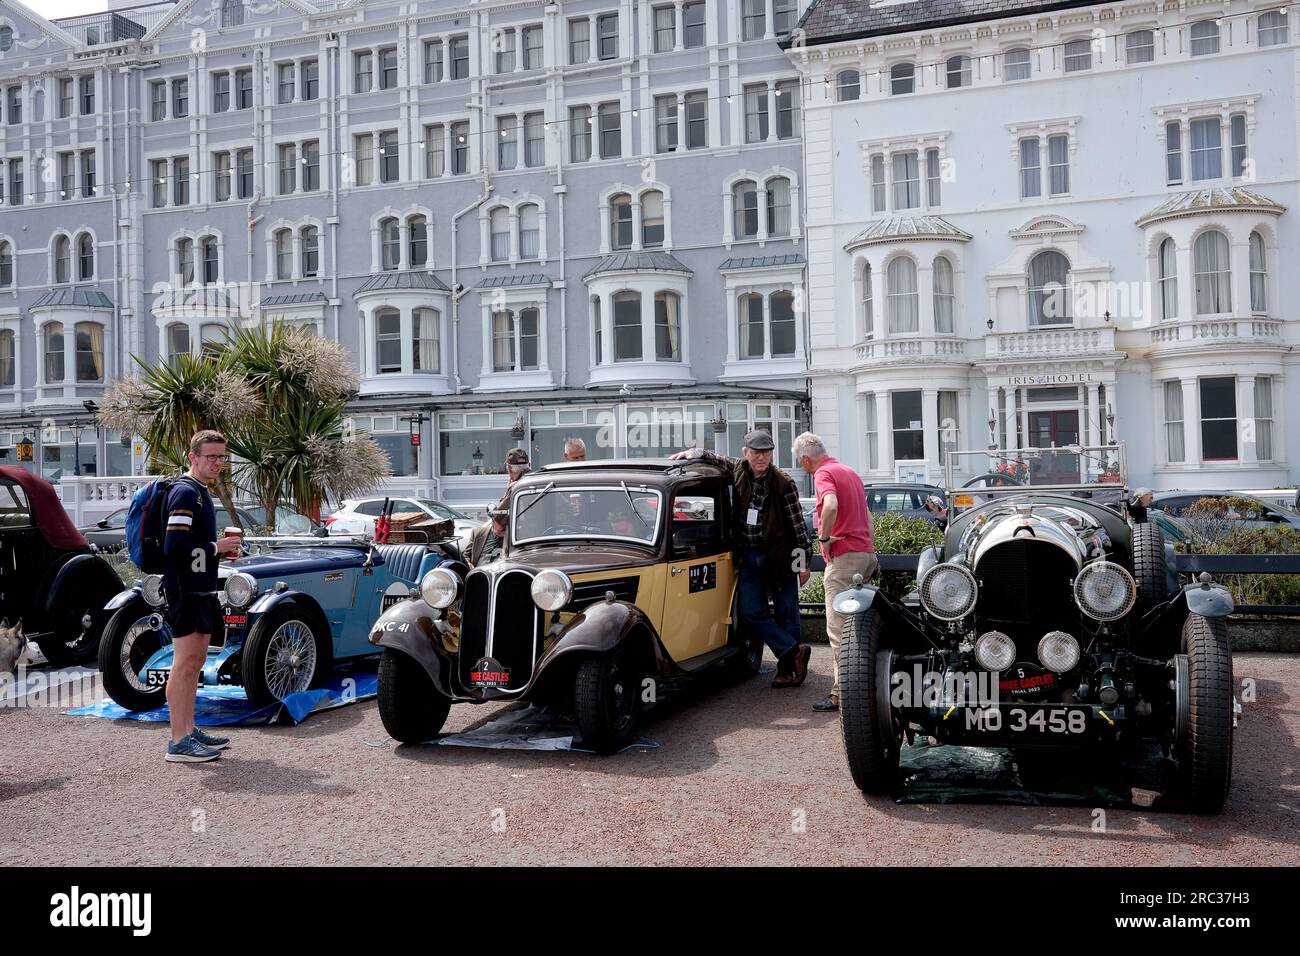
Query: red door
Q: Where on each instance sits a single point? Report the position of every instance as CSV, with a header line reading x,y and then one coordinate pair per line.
x,y
1054,430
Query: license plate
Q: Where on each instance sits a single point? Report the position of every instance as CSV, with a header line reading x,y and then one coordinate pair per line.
x,y
1045,721
156,677
233,619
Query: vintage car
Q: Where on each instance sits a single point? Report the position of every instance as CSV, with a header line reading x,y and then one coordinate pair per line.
x,y
615,582
49,578
290,612
1044,618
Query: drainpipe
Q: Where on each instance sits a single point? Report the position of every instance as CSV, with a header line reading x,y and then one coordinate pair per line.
x,y
252,224
561,191
457,293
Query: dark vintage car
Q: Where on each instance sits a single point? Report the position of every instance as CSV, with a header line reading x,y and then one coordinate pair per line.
x,y
291,610
1044,618
49,578
616,577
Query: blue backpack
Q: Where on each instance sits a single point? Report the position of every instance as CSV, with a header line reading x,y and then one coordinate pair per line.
x,y
145,527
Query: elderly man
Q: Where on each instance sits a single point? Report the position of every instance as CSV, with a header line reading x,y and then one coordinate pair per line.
x,y
845,534
487,541
517,466
1138,505
774,552
575,449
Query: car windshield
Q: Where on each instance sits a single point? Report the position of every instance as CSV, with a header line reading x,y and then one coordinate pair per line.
x,y
623,512
116,520
442,511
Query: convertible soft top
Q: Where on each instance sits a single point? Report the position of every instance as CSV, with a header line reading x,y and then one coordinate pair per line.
x,y
47,509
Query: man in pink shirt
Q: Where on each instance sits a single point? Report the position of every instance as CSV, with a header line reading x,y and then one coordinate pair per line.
x,y
844,530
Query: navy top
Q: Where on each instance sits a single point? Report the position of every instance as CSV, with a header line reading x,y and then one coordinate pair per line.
x,y
190,544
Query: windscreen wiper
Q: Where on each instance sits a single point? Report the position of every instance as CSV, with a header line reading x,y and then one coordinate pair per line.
x,y
540,495
633,504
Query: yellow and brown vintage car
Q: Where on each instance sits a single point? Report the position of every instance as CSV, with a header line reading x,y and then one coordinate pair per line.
x,y
615,578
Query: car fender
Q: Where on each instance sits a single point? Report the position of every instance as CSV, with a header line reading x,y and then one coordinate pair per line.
x,y
602,627
123,598
410,627
854,600
1209,600
82,576
264,604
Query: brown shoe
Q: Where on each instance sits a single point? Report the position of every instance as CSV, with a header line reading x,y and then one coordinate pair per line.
x,y
784,679
801,663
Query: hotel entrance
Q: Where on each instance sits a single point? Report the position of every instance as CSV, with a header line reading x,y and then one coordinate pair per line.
x,y
1054,429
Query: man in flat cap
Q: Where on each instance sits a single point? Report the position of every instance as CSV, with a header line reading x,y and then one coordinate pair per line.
x,y
517,466
487,541
774,551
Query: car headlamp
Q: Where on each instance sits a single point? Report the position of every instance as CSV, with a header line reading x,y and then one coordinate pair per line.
x,y
1105,591
239,590
995,651
552,590
439,588
948,591
1058,651
151,590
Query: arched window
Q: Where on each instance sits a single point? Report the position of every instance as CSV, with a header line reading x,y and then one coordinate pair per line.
x,y
1078,56
1258,274
958,71
6,265
752,332
178,342
627,327
283,254
1168,280
1211,273
185,260
902,301
530,232
62,259
6,39
7,355
418,241
668,327
945,297
85,257
1272,28
1049,289
847,86
310,252
781,307
90,352
390,244
744,199
1015,64
868,319
902,79
53,341
620,221
1205,37
388,341
425,352
211,260
778,206
499,234
652,219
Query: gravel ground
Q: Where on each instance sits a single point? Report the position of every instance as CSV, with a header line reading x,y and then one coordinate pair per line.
x,y
737,772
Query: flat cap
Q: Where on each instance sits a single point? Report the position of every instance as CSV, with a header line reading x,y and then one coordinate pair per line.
x,y
759,440
516,456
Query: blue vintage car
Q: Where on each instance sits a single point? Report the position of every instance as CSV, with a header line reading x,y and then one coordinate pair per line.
x,y
290,612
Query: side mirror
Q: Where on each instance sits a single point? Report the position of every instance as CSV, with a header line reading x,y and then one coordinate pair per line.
x,y
1273,516
101,523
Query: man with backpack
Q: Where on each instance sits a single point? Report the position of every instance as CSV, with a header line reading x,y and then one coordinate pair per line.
x,y
191,554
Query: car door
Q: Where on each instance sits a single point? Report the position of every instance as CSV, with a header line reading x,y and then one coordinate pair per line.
x,y
701,578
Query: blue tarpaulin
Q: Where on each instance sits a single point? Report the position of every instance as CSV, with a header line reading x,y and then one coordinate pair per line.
x,y
226,705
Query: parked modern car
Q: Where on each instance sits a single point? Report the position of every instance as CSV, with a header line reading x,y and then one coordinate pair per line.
x,y
1267,515
1172,528
596,599
109,532
357,516
1043,620
288,520
905,499
290,612
50,579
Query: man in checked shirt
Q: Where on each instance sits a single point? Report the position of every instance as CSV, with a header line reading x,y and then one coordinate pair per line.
x,y
774,551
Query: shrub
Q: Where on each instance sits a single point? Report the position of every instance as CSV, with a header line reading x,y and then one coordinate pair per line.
x,y
891,533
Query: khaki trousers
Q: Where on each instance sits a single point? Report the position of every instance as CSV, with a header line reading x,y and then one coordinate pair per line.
x,y
839,577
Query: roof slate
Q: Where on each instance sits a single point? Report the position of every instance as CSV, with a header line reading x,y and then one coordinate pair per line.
x,y
831,20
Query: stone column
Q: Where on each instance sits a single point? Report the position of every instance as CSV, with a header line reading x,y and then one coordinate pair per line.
x,y
1012,439
1094,414
930,429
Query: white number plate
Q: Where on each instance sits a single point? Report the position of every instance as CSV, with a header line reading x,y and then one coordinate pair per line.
x,y
1046,721
155,677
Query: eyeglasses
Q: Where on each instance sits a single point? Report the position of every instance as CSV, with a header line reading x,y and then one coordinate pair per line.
x,y
216,458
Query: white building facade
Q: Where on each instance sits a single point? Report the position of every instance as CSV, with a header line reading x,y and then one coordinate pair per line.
x,y
1048,228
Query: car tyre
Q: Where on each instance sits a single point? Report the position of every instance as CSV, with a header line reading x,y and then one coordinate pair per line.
x,y
871,742
284,654
127,643
607,701
1149,570
1203,716
410,707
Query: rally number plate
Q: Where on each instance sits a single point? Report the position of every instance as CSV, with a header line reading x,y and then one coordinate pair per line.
x,y
156,677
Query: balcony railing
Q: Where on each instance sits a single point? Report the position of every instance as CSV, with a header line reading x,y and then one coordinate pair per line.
x,y
1053,342
901,351
1193,333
